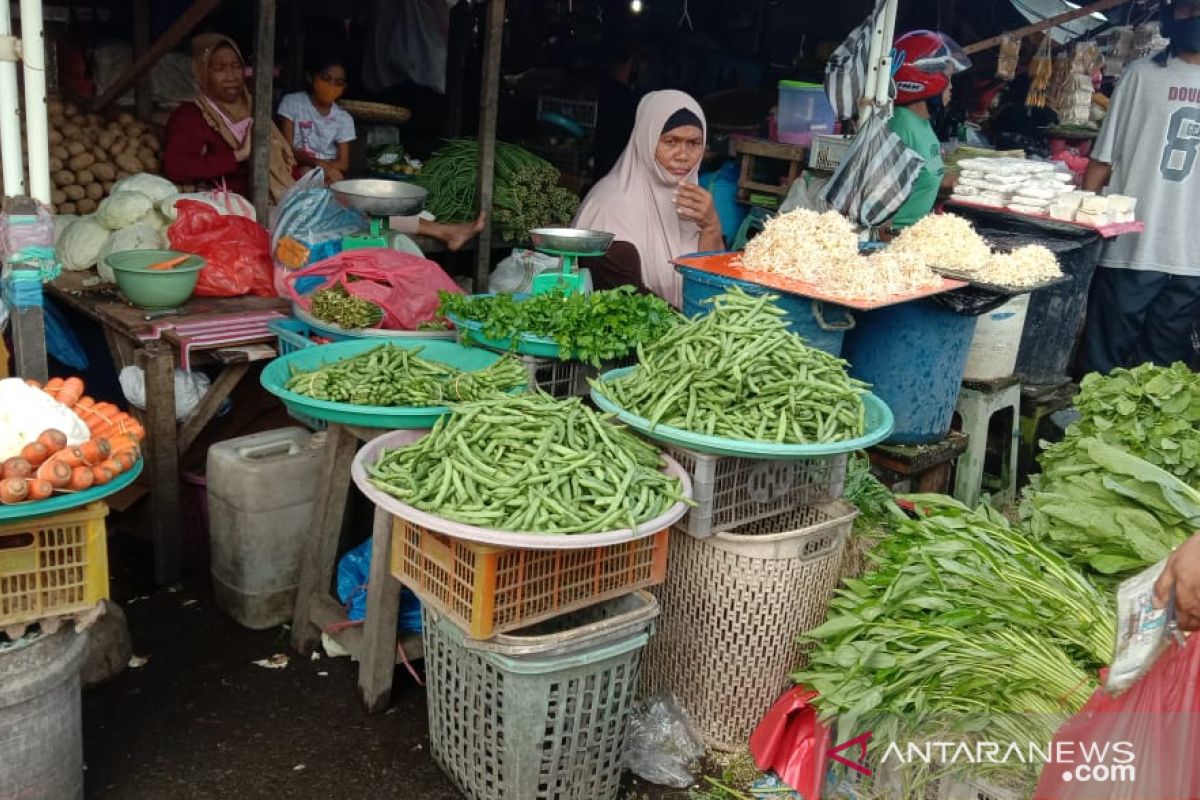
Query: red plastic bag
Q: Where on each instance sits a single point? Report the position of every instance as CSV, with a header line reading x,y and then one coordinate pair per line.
x,y
1143,745
792,742
238,250
405,286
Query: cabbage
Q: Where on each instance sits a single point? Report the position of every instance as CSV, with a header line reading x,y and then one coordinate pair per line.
x,y
154,187
122,209
61,223
143,235
80,244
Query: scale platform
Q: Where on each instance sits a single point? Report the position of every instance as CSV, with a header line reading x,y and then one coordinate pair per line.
x,y
379,199
569,244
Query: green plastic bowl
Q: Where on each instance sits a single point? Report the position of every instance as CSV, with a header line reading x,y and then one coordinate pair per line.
x,y
154,288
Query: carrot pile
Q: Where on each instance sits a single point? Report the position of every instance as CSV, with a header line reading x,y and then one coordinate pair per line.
x,y
48,465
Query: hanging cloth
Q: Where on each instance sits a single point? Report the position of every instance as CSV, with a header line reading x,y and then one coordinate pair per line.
x,y
875,177
846,71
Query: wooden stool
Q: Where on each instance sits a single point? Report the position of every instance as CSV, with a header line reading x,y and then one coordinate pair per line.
x,y
977,404
917,468
374,643
751,149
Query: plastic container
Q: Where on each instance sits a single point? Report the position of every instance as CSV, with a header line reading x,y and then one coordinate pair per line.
x,y
730,492
820,325
732,609
485,589
41,749
53,565
260,505
542,713
913,355
993,351
196,543
804,112
154,288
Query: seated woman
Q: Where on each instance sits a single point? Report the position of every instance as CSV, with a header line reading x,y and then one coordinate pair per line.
x,y
208,138
319,130
652,202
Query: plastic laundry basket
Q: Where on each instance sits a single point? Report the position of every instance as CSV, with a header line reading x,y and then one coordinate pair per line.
x,y
732,608
539,714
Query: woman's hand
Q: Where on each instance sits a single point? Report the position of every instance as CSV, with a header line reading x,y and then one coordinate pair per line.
x,y
1183,575
696,204
247,146
332,173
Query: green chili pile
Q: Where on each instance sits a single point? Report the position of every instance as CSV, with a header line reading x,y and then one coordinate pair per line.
x,y
530,463
390,375
336,305
738,372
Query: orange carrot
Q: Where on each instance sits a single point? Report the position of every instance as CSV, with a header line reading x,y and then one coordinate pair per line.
x,y
85,402
81,478
52,386
35,453
113,466
125,459
56,472
170,263
71,456
53,439
102,475
13,490
91,452
71,391
16,467
40,489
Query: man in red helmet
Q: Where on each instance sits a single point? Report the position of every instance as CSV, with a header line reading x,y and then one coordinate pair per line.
x,y
927,61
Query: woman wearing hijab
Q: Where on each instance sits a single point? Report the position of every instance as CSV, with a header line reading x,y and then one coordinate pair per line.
x,y
652,202
208,139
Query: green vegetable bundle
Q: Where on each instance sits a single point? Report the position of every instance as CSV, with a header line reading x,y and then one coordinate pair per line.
x,y
526,196
739,372
1149,411
1107,511
964,628
530,463
589,327
341,308
390,375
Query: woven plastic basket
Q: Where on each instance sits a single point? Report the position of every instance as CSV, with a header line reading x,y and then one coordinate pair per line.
x,y
540,714
730,492
732,607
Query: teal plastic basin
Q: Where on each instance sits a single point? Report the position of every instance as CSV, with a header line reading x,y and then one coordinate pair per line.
x,y
277,373
154,288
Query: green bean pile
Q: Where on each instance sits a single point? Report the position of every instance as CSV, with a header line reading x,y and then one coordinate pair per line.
x,y
739,373
338,306
533,464
390,375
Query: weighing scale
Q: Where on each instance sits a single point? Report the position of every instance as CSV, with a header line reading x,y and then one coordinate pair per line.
x,y
569,244
378,199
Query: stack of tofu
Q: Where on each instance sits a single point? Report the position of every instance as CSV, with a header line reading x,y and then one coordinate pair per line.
x,y
1028,187
1089,208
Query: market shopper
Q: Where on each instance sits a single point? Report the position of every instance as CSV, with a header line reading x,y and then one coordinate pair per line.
x,y
922,92
1145,295
1183,576
651,200
208,139
319,130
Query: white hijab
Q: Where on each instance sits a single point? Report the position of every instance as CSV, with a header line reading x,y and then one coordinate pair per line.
x,y
636,201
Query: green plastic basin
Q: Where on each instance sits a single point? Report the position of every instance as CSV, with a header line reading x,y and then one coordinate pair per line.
x,y
154,288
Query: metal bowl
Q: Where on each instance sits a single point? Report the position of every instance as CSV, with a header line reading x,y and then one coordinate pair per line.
x,y
381,198
571,240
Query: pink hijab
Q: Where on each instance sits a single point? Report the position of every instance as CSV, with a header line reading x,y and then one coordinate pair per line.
x,y
636,201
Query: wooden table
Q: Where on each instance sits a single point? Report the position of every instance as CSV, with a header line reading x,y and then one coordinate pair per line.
x,y
749,150
126,330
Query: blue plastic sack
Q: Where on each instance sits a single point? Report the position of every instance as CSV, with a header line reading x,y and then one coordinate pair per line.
x,y
61,343
353,570
723,186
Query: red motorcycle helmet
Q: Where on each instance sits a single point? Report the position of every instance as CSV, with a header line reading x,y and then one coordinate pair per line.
x,y
928,61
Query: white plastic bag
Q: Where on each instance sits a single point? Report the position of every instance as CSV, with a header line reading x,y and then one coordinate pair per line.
x,y
515,273
190,388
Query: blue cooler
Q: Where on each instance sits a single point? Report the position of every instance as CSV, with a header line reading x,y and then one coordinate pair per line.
x,y
913,354
820,324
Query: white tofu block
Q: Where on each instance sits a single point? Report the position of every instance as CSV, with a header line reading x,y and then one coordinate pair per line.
x,y
1097,220
1024,209
1095,204
1124,217
1062,211
1121,203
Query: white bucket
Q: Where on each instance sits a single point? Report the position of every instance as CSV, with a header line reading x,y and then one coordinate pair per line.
x,y
997,339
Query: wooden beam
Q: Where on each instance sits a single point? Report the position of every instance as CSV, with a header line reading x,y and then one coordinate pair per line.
x,y
1046,24
175,34
143,90
489,111
264,69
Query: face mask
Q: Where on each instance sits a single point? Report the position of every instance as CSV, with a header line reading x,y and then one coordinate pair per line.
x,y
326,92
1185,35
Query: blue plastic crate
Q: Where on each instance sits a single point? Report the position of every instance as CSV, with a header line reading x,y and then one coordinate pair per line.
x,y
820,324
292,336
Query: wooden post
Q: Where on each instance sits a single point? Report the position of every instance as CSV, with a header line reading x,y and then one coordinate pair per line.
x,y
162,460
264,68
187,21
461,17
1046,24
143,90
489,110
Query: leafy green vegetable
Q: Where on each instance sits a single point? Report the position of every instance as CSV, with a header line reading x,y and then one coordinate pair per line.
x,y
1149,411
336,305
1109,512
963,628
592,327
874,501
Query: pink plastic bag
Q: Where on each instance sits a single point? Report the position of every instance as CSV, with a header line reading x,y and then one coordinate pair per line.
x,y
405,286
1142,745
237,249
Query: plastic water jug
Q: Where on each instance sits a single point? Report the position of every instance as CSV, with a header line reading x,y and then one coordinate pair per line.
x,y
260,505
804,112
